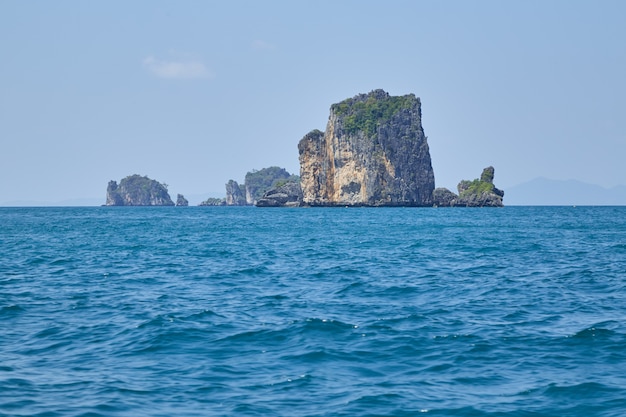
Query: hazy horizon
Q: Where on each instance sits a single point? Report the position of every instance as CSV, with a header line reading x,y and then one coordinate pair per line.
x,y
539,191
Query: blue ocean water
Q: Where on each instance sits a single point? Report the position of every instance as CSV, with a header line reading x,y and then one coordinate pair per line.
x,y
224,311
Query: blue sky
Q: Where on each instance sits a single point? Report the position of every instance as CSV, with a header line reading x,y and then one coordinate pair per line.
x,y
195,93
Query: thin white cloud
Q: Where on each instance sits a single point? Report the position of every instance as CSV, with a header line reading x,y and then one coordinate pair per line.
x,y
260,45
177,69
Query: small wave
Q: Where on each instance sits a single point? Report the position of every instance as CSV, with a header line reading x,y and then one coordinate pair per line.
x,y
401,291
60,262
377,398
619,247
327,325
17,383
258,336
157,321
351,287
203,315
289,381
581,391
315,356
277,297
10,311
594,333
367,405
249,271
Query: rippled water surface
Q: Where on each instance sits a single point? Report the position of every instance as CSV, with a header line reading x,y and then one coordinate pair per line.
x,y
224,311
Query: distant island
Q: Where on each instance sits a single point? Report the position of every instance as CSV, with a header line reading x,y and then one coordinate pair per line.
x,y
256,184
373,153
136,190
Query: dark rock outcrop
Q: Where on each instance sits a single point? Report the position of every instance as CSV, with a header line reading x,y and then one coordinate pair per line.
x,y
442,197
286,195
235,194
181,201
373,153
136,190
211,201
257,183
477,193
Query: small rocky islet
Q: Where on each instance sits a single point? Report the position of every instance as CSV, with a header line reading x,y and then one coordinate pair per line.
x,y
136,190
373,153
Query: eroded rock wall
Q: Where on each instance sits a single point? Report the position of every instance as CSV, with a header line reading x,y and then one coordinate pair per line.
x,y
373,153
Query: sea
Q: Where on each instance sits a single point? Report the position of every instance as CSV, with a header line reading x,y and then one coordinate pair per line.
x,y
244,311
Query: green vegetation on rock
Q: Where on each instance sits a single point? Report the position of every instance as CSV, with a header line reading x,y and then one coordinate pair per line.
x,y
292,178
366,112
136,190
477,193
475,187
258,182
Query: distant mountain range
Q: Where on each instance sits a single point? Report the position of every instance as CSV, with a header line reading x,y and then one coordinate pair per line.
x,y
547,192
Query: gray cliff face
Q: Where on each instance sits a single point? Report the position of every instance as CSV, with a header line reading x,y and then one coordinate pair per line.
x,y
287,195
442,197
212,201
373,153
136,190
181,201
477,193
234,194
113,196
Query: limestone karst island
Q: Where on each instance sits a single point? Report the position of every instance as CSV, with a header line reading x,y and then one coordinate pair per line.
x,y
373,153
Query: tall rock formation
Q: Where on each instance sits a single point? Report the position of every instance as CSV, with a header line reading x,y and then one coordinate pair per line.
x,y
113,195
181,201
234,194
136,190
373,153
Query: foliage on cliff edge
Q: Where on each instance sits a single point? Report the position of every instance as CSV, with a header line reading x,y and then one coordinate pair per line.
x,y
366,112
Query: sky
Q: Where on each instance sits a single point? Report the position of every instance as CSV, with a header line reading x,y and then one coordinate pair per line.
x,y
194,93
